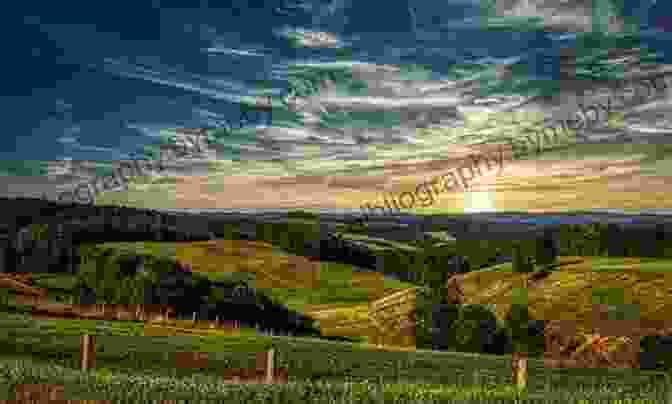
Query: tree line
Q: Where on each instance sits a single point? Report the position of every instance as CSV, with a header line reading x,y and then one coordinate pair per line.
x,y
111,276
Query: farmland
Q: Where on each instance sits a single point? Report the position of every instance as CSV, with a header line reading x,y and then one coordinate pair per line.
x,y
122,351
330,292
573,288
346,302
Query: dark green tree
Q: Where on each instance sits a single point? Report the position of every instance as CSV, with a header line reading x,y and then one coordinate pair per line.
x,y
545,251
661,237
443,318
615,241
423,318
520,260
656,353
4,297
475,329
525,333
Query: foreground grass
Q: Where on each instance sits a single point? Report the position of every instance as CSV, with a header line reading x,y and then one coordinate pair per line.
x,y
121,386
122,348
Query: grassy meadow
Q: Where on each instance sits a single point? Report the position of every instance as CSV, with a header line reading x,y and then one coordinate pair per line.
x,y
641,286
124,353
136,360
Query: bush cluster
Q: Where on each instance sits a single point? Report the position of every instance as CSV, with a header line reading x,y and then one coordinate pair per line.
x,y
656,352
108,275
614,240
475,328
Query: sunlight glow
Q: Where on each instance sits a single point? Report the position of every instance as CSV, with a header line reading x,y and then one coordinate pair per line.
x,y
479,202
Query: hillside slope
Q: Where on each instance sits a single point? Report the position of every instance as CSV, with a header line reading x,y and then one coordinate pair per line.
x,y
576,287
583,297
334,294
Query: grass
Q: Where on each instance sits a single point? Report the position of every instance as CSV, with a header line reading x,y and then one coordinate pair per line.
x,y
272,268
379,243
302,285
132,387
147,353
60,281
643,264
567,292
46,340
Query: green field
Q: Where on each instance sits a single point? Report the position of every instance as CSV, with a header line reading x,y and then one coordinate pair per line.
x,y
122,351
320,370
273,270
568,292
120,386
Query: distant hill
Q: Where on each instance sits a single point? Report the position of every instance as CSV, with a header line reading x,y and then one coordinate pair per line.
x,y
334,294
639,286
583,296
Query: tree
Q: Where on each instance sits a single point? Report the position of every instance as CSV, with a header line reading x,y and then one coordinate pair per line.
x,y
526,334
591,238
520,261
516,322
4,297
545,250
615,241
423,317
466,266
444,317
656,352
501,344
475,328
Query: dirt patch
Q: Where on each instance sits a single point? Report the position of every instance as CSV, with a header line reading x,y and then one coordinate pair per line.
x,y
39,392
537,277
619,347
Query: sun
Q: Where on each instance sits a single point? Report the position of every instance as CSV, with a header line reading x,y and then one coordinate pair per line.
x,y
481,201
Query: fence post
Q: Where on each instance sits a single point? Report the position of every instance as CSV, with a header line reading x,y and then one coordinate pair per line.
x,y
380,390
88,352
519,363
265,363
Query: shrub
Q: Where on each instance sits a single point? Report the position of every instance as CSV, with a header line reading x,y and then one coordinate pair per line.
x,y
4,297
545,249
475,328
501,344
444,317
656,352
526,334
423,318
521,263
301,214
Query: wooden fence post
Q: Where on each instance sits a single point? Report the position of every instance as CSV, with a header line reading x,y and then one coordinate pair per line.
x,y
88,352
265,363
519,365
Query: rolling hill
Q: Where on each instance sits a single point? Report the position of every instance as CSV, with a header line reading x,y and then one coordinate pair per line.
x,y
583,297
334,294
